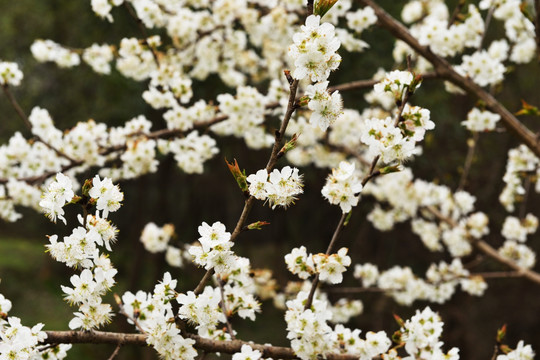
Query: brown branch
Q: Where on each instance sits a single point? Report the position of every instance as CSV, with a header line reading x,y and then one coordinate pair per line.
x,y
208,345
27,123
456,12
445,70
468,160
315,282
16,106
489,250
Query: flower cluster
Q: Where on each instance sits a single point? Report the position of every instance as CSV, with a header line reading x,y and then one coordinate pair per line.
x,y
342,187
397,83
521,352
409,198
99,58
521,163
482,68
48,50
421,336
58,193
438,286
108,196
214,251
314,50
81,250
10,74
386,140
308,329
156,239
329,267
478,120
151,314
279,188
19,341
326,107
311,335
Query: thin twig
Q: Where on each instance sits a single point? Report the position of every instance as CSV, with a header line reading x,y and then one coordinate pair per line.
x,y
488,250
331,245
17,107
224,308
468,160
456,12
28,124
115,352
487,22
142,29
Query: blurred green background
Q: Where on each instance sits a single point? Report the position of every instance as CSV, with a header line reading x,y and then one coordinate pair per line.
x,y
31,279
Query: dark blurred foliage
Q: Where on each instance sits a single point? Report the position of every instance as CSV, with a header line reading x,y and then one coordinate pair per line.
x,y
32,280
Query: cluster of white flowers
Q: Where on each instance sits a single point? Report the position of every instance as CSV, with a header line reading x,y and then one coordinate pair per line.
x,y
326,107
103,8
308,329
279,188
329,267
247,353
434,31
408,199
521,352
361,19
214,251
438,286
99,58
482,68
311,335
48,50
156,239
58,193
22,342
386,140
135,60
517,230
390,139
152,313
204,309
521,163
10,74
245,116
108,196
183,119
81,249
168,86
397,83
190,152
521,254
343,186
478,120
314,50
518,27
421,336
